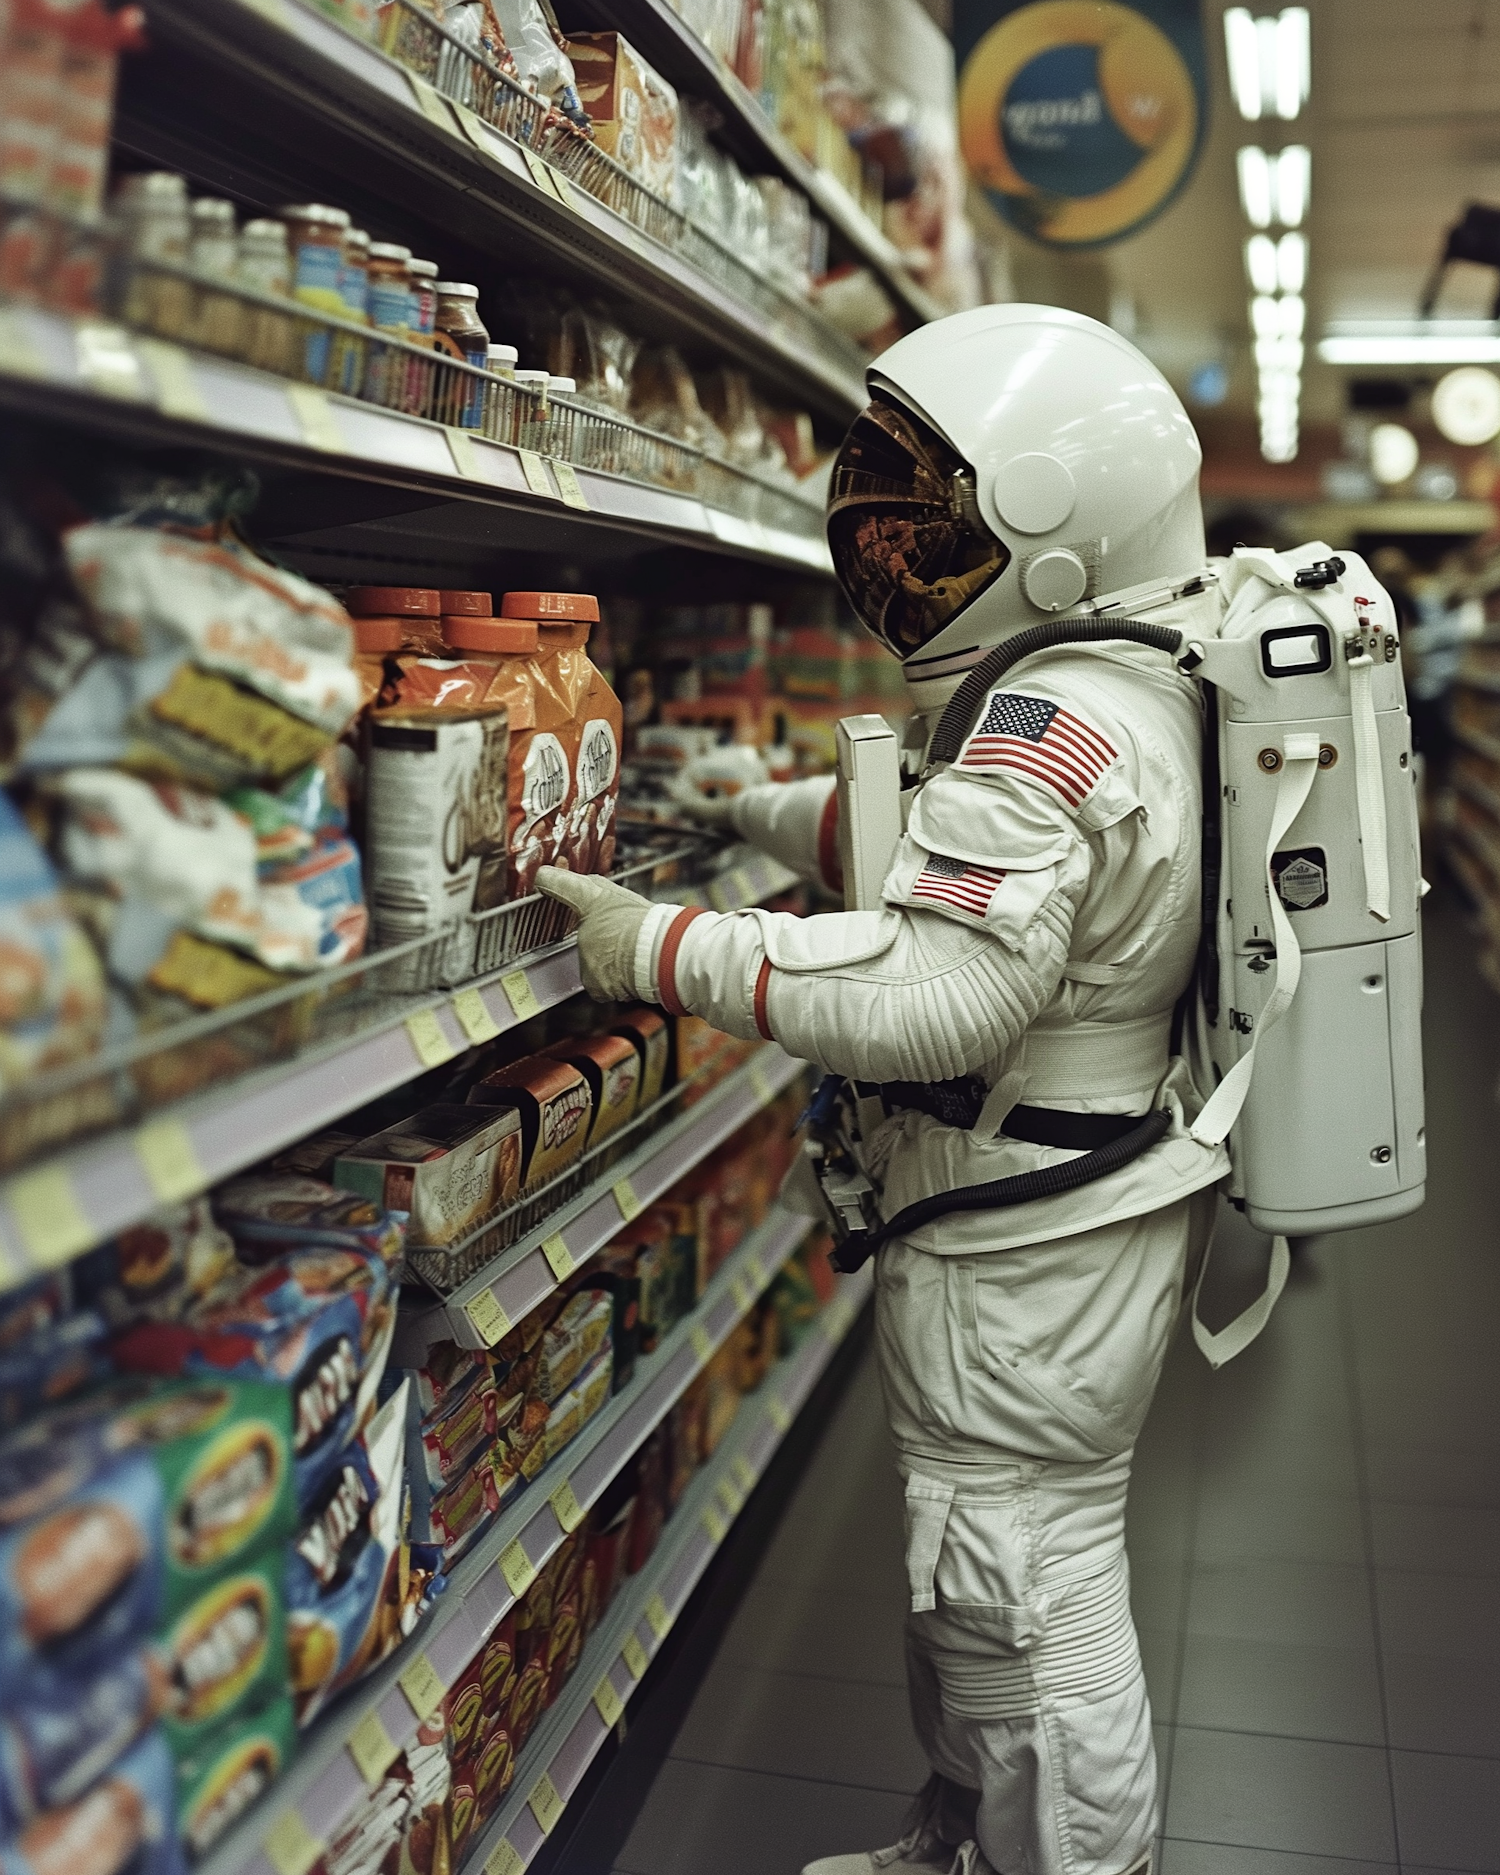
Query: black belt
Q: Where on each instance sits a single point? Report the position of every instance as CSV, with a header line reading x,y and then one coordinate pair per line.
x,y
958,1103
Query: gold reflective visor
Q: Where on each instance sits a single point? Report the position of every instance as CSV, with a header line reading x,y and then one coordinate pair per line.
x,y
908,544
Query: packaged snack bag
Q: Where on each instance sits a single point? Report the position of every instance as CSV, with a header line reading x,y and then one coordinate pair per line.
x,y
55,1743
267,1213
573,1338
225,1652
449,1440
52,998
573,1410
123,1822
157,1267
220,1776
57,1360
447,1167
342,1609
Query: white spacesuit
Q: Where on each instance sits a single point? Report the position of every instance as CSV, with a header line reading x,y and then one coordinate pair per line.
x,y
1015,997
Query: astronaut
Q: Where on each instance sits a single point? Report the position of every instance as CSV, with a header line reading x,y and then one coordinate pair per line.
x,y
1014,996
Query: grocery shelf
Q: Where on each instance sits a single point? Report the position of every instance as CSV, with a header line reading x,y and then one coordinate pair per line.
x,y
325,1782
1478,742
522,1276
102,377
297,101
666,40
753,879
569,1737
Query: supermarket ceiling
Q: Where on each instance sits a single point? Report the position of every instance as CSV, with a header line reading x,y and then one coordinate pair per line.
x,y
1404,127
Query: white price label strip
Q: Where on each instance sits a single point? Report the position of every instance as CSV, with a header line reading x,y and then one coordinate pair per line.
x,y
107,363
172,1167
569,487
465,456
611,1706
546,1805
432,104
559,1256
177,393
315,418
427,1038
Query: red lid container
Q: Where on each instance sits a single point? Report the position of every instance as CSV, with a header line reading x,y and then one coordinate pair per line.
x,y
379,634
397,601
466,604
551,605
516,637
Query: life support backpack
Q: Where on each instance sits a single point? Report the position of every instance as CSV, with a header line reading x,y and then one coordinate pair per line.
x,y
1306,1013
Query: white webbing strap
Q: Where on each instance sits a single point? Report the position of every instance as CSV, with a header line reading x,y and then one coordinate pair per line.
x,y
1370,787
1298,772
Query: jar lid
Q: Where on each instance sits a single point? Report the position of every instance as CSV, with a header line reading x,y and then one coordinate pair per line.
x,y
568,386
389,601
378,634
146,183
458,289
504,354
264,230
427,269
212,208
518,636
544,606
357,237
317,211
389,250
467,604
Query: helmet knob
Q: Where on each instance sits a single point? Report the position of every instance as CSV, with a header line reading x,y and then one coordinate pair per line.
x,y
1054,580
1034,493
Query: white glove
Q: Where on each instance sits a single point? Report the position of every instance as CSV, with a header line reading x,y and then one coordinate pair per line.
x,y
610,920
737,765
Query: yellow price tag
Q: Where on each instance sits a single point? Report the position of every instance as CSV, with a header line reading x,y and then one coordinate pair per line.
x,y
432,104
703,1347
562,187
315,418
427,1037
730,1498
461,448
569,486
171,1164
625,1197
714,1524
611,1706
743,1294
780,1412
537,478
559,1256
423,1686
541,171
517,1568
49,1216
490,1322
503,1859
520,995
107,362
177,393
745,1473
290,1846
546,1805
564,1501
474,127
634,1656
659,1621
760,1083
372,1748
474,1017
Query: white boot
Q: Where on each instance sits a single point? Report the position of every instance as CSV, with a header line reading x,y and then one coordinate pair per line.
x,y
917,1853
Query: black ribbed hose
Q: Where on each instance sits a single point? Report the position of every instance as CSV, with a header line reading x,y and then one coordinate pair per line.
x,y
1048,1181
958,719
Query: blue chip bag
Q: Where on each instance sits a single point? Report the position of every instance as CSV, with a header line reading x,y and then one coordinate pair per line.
x,y
122,1825
60,1740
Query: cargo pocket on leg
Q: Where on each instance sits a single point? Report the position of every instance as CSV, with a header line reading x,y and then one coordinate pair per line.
x,y
986,1570
927,1505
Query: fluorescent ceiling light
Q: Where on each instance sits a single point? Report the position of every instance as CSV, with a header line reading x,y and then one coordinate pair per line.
x,y
1293,57
1260,263
1417,348
1293,184
1265,317
1278,354
1291,262
1293,315
1257,171
1241,43
1270,61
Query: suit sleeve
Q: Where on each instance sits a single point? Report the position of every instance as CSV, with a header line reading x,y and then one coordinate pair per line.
x,y
795,822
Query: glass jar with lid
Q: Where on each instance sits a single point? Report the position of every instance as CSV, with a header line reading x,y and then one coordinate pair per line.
x,y
315,237
390,311
263,265
212,252
461,332
152,211
422,322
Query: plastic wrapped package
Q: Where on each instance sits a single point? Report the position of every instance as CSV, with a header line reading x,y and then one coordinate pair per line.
x,y
54,1744
631,106
665,398
52,998
729,401
447,1166
123,1822
226,1771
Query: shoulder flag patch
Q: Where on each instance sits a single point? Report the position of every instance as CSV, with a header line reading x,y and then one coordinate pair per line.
x,y
956,886
1041,740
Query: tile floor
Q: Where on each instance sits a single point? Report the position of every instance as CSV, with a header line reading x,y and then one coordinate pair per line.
x,y
1315,1545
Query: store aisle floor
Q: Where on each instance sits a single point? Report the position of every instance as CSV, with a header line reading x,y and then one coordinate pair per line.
x,y
1315,1547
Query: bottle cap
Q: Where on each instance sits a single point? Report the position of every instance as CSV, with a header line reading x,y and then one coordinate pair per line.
x,y
567,386
515,636
503,354
388,601
457,289
389,250
425,269
378,634
537,380
469,604
545,606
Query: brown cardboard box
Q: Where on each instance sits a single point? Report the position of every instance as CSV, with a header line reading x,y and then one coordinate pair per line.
x,y
633,108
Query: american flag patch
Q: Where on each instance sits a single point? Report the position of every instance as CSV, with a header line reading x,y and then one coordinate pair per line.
x,y
949,882
1042,741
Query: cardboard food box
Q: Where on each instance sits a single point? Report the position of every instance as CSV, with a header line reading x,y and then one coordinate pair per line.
x,y
555,1105
632,108
611,1064
448,1166
226,1651
647,1031
221,1775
